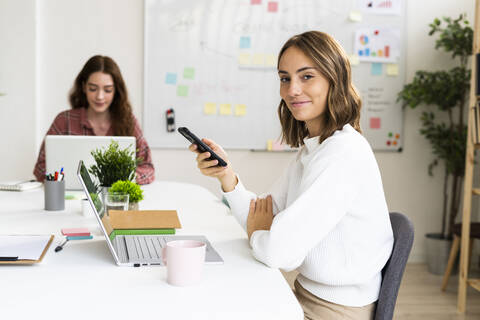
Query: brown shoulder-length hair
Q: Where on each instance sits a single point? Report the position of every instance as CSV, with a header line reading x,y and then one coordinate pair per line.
x,y
343,101
120,109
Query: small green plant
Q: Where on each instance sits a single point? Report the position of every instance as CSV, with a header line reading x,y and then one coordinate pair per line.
x,y
447,90
128,187
113,164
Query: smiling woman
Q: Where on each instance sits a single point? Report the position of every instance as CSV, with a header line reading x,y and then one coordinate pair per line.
x,y
100,107
326,216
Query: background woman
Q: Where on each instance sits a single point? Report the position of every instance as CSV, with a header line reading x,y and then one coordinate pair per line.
x,y
326,216
100,107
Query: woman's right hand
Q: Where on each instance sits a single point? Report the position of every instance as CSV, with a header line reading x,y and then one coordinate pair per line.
x,y
210,168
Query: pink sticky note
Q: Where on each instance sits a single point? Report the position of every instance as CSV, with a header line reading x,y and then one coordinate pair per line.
x,y
374,123
277,146
75,232
272,6
255,1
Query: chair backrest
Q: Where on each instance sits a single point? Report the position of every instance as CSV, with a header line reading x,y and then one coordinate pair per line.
x,y
393,271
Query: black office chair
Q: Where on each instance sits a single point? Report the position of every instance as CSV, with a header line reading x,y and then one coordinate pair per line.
x,y
393,271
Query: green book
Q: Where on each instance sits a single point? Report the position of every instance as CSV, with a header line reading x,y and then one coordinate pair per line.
x,y
117,232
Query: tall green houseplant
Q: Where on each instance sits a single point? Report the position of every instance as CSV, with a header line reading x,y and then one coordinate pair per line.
x,y
447,91
113,164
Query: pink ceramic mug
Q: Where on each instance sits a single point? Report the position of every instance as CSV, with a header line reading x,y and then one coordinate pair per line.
x,y
184,260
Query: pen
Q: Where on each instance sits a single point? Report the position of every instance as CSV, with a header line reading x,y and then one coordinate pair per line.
x,y
60,247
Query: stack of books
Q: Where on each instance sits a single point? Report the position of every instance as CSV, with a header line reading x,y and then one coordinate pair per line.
x,y
140,222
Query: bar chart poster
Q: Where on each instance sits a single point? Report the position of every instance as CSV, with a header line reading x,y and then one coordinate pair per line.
x,y
377,44
386,7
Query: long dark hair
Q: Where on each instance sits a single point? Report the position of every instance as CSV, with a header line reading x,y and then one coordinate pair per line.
x,y
120,109
343,101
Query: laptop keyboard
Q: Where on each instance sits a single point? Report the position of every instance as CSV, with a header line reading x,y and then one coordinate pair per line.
x,y
146,249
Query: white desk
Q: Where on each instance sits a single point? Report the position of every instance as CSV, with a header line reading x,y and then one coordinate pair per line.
x,y
83,282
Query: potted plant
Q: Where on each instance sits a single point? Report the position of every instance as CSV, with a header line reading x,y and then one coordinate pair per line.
x,y
132,189
113,164
447,91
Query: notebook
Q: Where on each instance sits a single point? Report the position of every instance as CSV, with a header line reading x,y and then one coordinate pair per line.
x,y
136,250
20,185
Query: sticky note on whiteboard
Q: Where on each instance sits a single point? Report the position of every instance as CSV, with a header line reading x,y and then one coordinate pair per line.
x,y
225,109
210,108
375,123
244,42
271,60
182,91
272,6
269,145
354,60
376,69
392,69
278,146
244,59
355,16
171,78
240,110
189,73
259,59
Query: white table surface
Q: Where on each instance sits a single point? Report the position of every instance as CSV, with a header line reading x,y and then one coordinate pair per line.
x,y
83,282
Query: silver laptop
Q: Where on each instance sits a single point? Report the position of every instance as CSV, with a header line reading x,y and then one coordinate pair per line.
x,y
131,250
66,151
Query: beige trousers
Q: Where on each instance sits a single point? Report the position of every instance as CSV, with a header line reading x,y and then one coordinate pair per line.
x,y
315,308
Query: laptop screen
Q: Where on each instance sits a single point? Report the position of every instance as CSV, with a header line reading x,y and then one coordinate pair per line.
x,y
93,190
66,151
94,195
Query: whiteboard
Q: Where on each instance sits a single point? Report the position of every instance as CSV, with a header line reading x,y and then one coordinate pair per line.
x,y
214,63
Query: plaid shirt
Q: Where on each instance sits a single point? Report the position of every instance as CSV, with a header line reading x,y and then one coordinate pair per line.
x,y
75,122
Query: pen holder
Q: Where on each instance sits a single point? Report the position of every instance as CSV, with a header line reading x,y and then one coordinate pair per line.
x,y
54,195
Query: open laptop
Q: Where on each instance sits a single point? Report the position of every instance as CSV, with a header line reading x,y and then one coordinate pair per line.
x,y
135,250
66,151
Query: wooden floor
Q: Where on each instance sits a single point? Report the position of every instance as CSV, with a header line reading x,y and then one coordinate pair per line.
x,y
420,297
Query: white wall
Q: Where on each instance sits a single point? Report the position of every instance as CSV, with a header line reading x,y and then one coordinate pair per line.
x,y
69,32
17,81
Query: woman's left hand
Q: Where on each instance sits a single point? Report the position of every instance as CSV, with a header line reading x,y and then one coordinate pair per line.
x,y
260,216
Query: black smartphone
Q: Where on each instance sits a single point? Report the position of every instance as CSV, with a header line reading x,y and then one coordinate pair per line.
x,y
202,147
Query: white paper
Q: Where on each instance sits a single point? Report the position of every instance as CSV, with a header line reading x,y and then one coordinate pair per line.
x,y
24,247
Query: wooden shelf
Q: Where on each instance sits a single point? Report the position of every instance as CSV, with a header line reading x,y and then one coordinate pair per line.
x,y
476,146
474,283
476,191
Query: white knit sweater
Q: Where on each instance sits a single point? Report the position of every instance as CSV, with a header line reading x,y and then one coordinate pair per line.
x,y
331,220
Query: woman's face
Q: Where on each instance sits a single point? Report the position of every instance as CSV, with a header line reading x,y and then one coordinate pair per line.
x,y
100,91
303,88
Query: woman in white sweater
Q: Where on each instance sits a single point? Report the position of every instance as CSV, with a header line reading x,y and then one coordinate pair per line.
x,y
326,216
